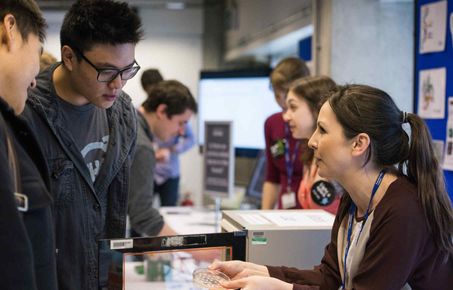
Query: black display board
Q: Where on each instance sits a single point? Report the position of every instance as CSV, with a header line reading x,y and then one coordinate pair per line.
x,y
218,159
434,60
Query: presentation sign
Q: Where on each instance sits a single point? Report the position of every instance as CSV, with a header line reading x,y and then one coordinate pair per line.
x,y
218,159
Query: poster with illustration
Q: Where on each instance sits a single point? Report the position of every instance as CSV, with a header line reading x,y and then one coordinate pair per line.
x,y
448,155
433,27
431,93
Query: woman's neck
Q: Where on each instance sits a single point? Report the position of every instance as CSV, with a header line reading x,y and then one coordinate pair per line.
x,y
360,186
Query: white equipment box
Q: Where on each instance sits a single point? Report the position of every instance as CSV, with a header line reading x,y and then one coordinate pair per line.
x,y
293,238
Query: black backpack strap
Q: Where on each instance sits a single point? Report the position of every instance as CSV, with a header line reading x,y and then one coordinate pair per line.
x,y
21,199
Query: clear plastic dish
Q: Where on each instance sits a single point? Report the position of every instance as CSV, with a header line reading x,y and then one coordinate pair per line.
x,y
210,279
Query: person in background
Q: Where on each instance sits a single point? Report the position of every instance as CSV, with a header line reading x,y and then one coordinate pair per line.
x,y
166,175
145,219
284,168
86,126
166,172
164,113
394,226
150,78
46,60
303,103
27,248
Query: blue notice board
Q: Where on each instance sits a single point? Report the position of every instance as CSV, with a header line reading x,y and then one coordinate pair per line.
x,y
434,60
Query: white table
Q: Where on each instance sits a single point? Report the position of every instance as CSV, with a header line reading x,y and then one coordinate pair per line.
x,y
189,220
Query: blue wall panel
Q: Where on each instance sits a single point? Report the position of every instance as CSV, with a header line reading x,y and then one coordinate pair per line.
x,y
305,48
435,60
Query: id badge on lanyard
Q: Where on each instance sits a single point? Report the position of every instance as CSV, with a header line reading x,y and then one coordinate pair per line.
x,y
289,200
289,197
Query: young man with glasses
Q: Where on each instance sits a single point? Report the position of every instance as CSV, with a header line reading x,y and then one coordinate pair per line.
x,y
87,129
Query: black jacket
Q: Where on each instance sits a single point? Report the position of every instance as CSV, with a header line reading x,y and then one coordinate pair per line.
x,y
27,248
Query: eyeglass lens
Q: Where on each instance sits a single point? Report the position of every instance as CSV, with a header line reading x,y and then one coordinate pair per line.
x,y
108,75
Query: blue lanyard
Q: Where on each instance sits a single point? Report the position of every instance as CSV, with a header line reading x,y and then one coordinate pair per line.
x,y
289,162
352,209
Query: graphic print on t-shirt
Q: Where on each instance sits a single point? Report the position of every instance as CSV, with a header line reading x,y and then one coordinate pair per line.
x,y
88,126
93,154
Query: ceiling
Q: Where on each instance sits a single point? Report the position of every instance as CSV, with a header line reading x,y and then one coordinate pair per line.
x,y
153,4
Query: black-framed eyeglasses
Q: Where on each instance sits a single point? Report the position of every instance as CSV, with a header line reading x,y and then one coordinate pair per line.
x,y
106,75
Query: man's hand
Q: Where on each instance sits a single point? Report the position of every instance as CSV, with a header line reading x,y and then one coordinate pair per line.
x,y
163,154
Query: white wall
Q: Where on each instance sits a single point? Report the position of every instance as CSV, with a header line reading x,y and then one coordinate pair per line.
x,y
54,20
173,44
372,43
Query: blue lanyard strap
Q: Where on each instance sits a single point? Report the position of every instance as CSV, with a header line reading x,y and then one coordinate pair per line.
x,y
289,162
352,210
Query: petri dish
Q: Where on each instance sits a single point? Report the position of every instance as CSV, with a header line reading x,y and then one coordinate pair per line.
x,y
210,279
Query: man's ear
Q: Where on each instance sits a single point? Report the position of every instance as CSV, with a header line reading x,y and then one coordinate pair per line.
x,y
360,144
161,111
9,31
68,57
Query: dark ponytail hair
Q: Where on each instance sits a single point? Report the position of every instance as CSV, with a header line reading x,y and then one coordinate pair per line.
x,y
360,108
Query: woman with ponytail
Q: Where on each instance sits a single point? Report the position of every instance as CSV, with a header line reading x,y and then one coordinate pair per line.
x,y
394,226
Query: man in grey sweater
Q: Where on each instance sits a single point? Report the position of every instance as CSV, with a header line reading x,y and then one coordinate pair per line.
x,y
164,114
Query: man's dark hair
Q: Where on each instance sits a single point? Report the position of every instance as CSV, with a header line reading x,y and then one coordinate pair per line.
x,y
91,22
28,16
150,77
174,95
